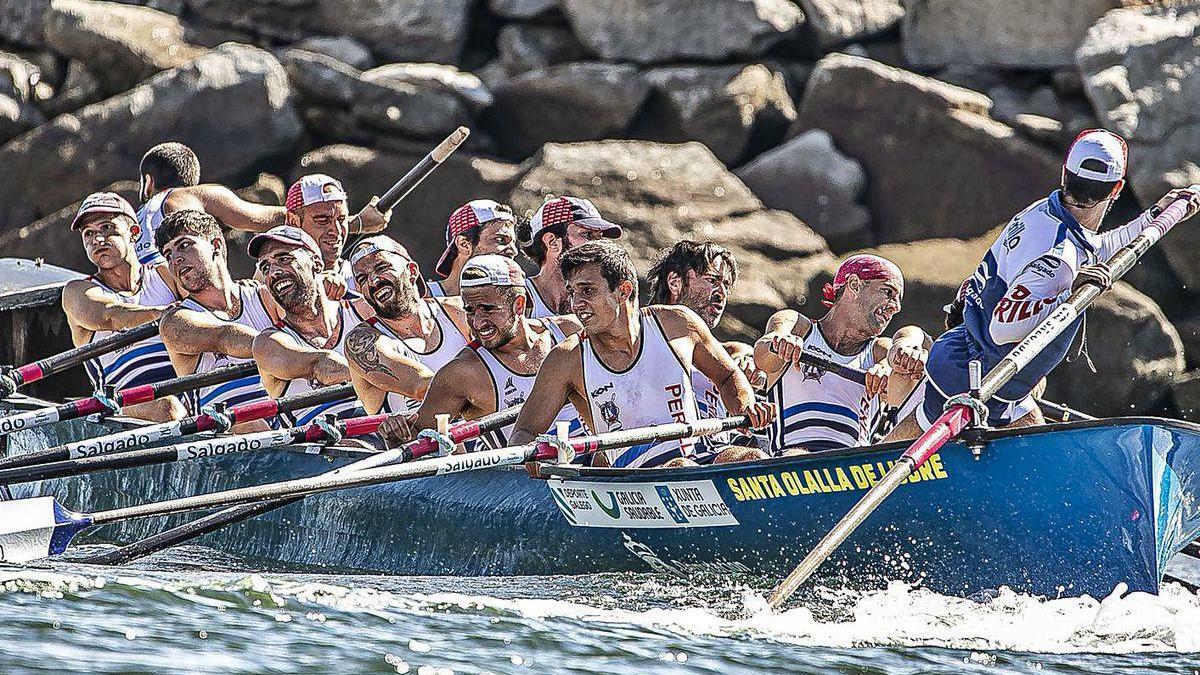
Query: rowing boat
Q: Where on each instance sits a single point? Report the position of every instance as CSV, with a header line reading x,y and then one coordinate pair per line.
x,y
1064,510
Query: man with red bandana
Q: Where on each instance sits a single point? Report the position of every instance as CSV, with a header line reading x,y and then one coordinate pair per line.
x,y
823,411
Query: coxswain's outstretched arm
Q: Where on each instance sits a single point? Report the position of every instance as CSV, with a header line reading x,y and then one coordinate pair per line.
x,y
1114,239
558,382
378,366
223,204
282,358
87,306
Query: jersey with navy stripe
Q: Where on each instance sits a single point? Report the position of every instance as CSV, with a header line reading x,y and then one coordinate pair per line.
x,y
819,410
655,388
143,362
434,289
348,318
450,344
538,309
244,389
149,217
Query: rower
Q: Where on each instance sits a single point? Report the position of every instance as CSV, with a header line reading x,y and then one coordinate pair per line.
x,y
217,323
306,348
317,204
170,182
497,369
479,227
823,411
394,354
558,226
122,293
1041,255
631,367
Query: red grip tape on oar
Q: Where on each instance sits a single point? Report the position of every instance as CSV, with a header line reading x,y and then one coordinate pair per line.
x,y
30,373
135,395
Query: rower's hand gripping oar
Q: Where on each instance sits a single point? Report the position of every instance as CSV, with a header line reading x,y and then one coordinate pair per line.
x,y
965,409
38,527
112,404
13,377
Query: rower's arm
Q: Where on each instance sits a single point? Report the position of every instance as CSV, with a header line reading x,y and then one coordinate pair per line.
x,y
223,204
186,331
282,357
552,390
780,327
449,393
89,307
376,364
567,323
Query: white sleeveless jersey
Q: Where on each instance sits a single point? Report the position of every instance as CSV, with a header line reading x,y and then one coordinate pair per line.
x,y
820,410
513,389
434,289
143,362
149,217
450,345
244,389
344,270
655,389
538,309
348,318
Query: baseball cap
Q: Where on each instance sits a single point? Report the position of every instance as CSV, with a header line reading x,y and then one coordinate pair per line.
x,y
382,242
103,202
314,189
491,270
864,266
1097,154
285,234
467,217
568,210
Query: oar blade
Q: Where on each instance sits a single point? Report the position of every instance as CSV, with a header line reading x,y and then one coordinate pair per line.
x,y
36,528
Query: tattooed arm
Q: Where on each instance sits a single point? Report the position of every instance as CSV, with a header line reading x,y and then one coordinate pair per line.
x,y
380,365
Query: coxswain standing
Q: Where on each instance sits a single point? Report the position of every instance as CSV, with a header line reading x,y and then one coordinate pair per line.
x,y
121,294
317,204
1043,253
632,367
559,225
479,227
823,411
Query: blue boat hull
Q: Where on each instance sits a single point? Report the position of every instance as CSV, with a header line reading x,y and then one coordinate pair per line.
x,y
1062,511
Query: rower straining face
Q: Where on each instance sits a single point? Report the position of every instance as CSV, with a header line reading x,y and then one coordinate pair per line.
x,y
329,224
290,273
497,237
195,261
493,313
388,281
704,293
875,301
593,302
108,239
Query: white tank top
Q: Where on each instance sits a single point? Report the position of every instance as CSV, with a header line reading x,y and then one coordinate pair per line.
x,y
513,389
343,268
538,309
143,362
348,318
244,389
149,217
654,389
451,344
434,289
820,410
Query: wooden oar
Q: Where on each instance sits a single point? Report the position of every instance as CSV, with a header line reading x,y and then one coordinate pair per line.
x,y
458,433
960,411
12,378
99,403
39,527
90,455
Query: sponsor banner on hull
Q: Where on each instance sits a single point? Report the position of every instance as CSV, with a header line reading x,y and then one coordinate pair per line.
x,y
628,505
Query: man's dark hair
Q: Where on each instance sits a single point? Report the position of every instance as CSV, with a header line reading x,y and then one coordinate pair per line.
x,y
615,264
1085,191
171,165
683,256
186,222
535,248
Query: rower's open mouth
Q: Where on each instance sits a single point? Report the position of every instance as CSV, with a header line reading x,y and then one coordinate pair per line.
x,y
283,286
384,293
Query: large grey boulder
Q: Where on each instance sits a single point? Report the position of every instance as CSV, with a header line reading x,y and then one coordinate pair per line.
x,y
347,50
102,143
937,164
526,46
21,22
464,85
662,31
121,44
1005,33
810,178
838,22
522,9
17,117
19,77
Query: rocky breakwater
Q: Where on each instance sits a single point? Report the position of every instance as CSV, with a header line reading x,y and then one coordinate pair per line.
x,y
792,131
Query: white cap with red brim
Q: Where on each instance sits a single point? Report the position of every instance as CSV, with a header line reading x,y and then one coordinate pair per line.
x,y
491,270
314,189
103,202
284,234
381,243
1097,154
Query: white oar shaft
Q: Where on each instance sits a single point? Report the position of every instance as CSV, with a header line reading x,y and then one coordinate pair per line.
x,y
123,440
28,420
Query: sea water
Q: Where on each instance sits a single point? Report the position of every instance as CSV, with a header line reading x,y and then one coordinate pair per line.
x,y
176,614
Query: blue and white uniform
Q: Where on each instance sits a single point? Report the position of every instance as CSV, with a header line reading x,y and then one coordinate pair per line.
x,y
819,410
450,344
1024,276
656,388
348,318
149,217
538,309
434,289
143,362
244,389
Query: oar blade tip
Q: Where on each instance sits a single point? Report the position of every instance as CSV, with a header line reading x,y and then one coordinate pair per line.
x,y
37,528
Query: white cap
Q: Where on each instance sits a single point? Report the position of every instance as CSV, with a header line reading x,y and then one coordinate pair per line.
x,y
1106,152
491,270
314,189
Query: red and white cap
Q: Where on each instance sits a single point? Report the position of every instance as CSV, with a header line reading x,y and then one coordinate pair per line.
x,y
491,270
568,210
103,202
1098,154
314,189
864,266
474,213
284,234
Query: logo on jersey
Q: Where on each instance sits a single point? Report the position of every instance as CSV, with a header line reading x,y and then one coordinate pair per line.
x,y
811,372
601,390
610,412
509,387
